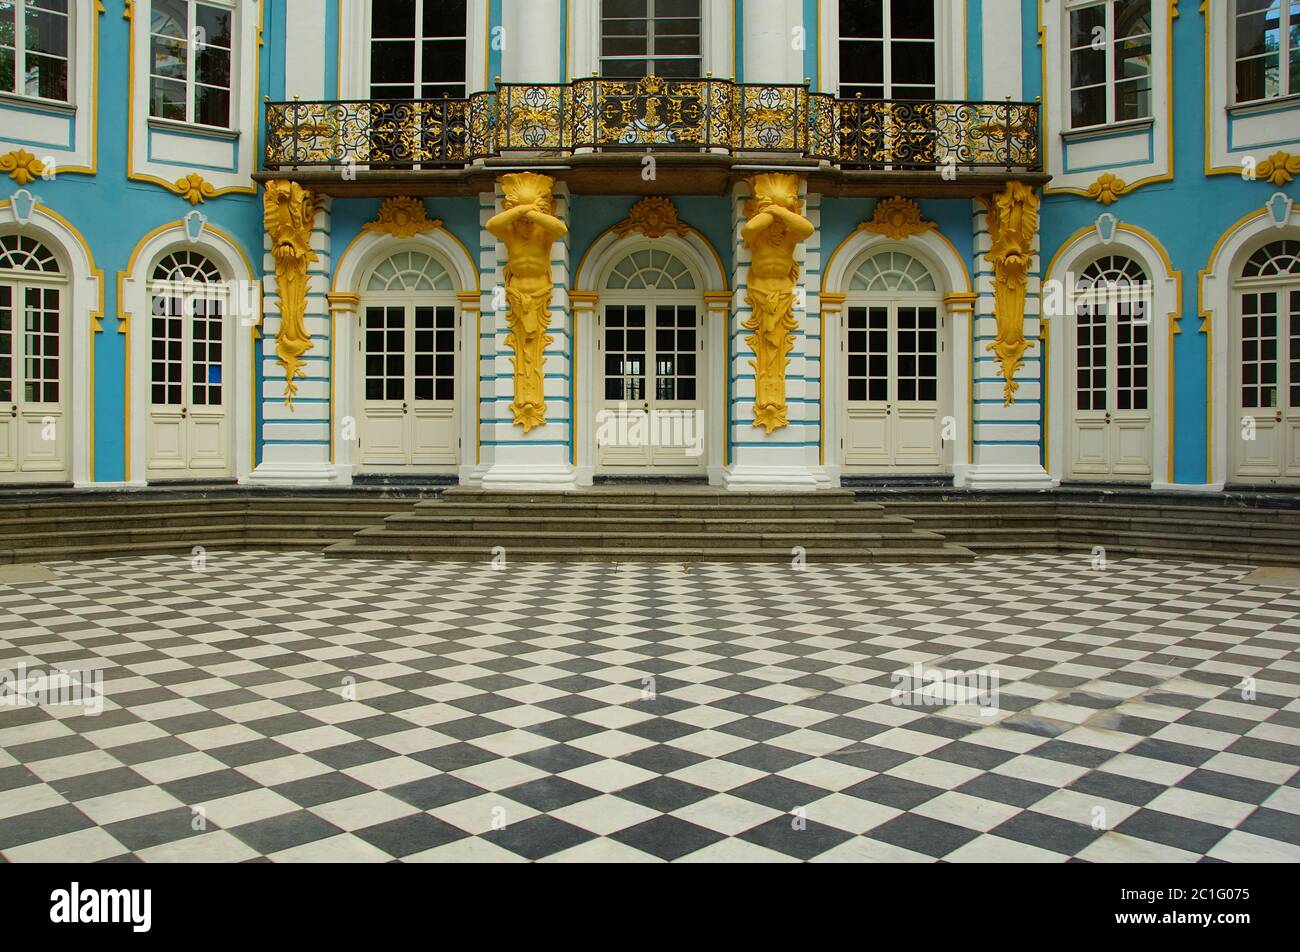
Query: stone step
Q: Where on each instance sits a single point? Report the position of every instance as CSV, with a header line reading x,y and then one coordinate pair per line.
x,y
615,538
81,553
642,510
1226,545
670,554
434,521
649,495
1186,553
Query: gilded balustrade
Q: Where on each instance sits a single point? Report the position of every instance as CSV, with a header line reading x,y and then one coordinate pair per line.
x,y
653,113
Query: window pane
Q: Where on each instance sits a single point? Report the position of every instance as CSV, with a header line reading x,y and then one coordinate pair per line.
x,y
1258,78
444,61
1133,100
167,99
1087,67
862,18
46,77
212,106
393,18
212,26
1132,17
913,62
212,67
1088,107
1085,24
911,18
47,32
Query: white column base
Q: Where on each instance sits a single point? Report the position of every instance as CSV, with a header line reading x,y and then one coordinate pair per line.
x,y
530,478
298,474
1025,477
472,475
770,479
1188,487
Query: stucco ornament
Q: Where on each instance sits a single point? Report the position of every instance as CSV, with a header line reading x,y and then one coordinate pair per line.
x,y
1107,189
1279,168
1013,221
774,227
896,218
403,217
528,228
288,213
653,217
193,188
21,166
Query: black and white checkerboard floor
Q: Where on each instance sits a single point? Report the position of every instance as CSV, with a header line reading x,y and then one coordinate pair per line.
x,y
300,709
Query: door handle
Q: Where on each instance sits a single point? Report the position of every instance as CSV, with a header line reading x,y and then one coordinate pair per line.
x,y
185,412
13,411
1108,417
1278,418
403,407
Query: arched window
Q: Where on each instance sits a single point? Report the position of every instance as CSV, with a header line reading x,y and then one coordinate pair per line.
x,y
892,271
20,253
1113,299
410,271
651,269
186,284
1273,260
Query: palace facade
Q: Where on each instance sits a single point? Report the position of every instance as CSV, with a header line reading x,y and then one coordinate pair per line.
x,y
770,244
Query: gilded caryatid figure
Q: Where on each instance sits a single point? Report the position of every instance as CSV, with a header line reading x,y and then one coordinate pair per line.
x,y
288,213
1013,220
528,228
774,228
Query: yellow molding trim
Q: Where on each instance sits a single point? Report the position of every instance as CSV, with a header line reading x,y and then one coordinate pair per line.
x,y
174,186
342,300
1169,115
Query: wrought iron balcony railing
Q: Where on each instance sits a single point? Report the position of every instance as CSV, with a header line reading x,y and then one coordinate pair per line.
x,y
653,113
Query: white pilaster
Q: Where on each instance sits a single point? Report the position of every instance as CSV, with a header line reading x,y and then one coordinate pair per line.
x,y
770,53
786,459
542,458
1006,440
532,41
296,439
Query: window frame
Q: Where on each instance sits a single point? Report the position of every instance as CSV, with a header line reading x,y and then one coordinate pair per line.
x,y
20,55
1110,83
1284,57
650,57
418,40
886,40
191,66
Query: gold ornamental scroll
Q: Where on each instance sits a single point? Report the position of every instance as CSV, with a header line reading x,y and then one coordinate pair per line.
x,y
288,213
528,228
1013,220
774,227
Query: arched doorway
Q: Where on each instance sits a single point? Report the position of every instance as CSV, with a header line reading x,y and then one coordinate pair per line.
x,y
405,382
190,345
895,390
33,366
1110,434
652,370
1265,365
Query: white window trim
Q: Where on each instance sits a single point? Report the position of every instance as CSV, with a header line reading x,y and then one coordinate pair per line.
x,y
137,286
1054,27
1268,116
354,52
1284,62
1220,283
47,125
238,140
191,63
83,308
1109,83
1078,251
949,46
717,27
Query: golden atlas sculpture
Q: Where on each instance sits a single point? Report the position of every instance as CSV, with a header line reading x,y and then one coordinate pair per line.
x,y
288,213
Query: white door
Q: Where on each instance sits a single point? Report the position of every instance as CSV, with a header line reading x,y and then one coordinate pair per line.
x,y
408,388
189,421
1110,428
1267,362
649,417
33,422
33,444
891,356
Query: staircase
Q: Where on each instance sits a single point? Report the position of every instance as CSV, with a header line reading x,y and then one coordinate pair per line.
x,y
1252,530
648,524
108,525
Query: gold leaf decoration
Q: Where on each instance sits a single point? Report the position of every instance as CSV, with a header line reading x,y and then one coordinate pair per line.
x,y
527,226
289,211
896,218
1279,168
1013,221
1107,189
774,227
193,188
402,217
653,217
21,166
